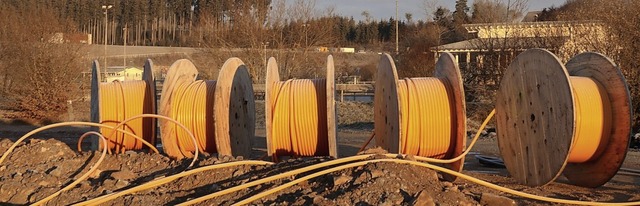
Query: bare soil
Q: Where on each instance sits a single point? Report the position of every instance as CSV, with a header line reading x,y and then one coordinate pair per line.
x,y
43,165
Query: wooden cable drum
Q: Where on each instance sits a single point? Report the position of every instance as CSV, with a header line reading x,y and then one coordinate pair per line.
x,y
221,114
114,102
573,120
300,114
421,116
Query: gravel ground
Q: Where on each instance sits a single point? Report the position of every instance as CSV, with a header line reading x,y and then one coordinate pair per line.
x,y
41,166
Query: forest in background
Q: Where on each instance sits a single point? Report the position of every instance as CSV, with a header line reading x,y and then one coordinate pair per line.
x,y
289,31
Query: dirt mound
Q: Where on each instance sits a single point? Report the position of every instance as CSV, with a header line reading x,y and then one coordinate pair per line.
x,y
39,168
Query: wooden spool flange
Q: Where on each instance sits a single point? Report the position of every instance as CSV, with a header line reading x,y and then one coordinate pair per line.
x,y
147,76
536,123
273,77
96,78
181,72
387,111
95,101
233,110
598,171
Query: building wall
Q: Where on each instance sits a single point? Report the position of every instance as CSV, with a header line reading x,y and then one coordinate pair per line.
x,y
131,74
533,29
571,38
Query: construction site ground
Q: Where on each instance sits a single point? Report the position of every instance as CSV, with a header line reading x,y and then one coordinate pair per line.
x,y
42,165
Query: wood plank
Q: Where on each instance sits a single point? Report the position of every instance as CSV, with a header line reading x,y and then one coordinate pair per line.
x,y
355,87
600,170
535,117
234,110
331,108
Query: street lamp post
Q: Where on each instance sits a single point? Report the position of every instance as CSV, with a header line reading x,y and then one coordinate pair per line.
x,y
264,47
106,13
306,44
396,27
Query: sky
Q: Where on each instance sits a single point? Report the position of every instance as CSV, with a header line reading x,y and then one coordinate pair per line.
x,y
384,9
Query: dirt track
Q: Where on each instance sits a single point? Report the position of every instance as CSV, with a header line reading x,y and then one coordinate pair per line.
x,y
41,166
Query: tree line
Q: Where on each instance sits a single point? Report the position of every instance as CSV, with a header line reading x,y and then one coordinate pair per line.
x,y
288,31
192,23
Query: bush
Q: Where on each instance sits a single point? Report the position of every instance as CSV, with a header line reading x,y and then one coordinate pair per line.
x,y
37,77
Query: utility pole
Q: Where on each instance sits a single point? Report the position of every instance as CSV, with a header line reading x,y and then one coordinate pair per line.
x,y
306,44
106,13
397,27
124,34
264,46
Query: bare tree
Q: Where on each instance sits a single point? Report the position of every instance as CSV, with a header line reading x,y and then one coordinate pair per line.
x,y
618,38
38,76
288,32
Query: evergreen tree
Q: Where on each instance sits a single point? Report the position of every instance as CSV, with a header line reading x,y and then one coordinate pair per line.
x,y
460,15
442,16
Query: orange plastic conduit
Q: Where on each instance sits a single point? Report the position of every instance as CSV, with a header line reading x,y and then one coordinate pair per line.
x,y
193,107
428,117
593,119
299,118
114,129
122,100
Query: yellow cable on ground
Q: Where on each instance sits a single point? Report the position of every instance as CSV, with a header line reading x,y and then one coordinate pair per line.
x,y
81,178
95,166
428,117
192,105
434,167
299,118
159,182
593,119
276,177
334,162
122,100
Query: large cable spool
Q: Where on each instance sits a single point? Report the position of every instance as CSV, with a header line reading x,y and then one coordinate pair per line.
x,y
300,114
421,116
114,102
573,120
220,113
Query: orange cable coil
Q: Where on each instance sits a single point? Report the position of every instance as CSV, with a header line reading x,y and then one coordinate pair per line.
x,y
300,119
193,107
593,119
428,117
120,101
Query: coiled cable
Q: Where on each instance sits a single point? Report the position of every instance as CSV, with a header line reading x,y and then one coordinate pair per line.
x,y
427,117
300,122
122,100
193,107
593,119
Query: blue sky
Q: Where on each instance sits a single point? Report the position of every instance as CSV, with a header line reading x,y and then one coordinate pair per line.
x,y
384,9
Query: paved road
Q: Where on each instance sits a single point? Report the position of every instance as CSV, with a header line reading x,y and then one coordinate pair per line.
x,y
97,50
